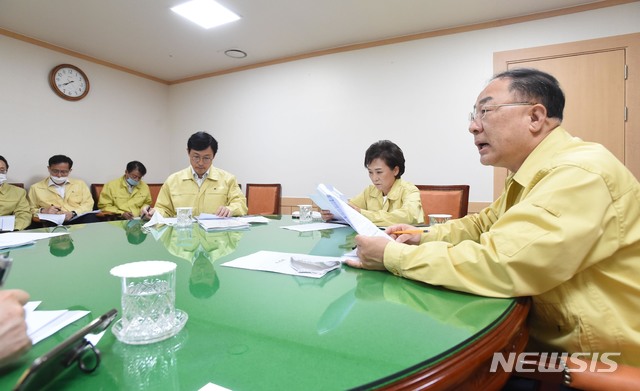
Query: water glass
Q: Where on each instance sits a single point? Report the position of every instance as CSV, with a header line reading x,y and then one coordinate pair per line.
x,y
148,301
306,215
184,217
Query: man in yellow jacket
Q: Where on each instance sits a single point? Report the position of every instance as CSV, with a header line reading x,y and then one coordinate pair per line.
x,y
201,186
59,194
566,230
127,196
13,200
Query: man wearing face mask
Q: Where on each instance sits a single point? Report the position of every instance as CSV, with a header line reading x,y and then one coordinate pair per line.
x,y
127,196
59,194
13,200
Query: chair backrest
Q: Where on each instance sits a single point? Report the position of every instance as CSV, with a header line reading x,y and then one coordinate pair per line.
x,y
263,198
154,189
449,199
96,189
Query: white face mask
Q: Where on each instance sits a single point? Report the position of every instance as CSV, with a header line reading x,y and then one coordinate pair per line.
x,y
3,178
59,180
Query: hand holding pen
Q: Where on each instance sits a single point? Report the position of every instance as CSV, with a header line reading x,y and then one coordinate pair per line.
x,y
52,210
146,212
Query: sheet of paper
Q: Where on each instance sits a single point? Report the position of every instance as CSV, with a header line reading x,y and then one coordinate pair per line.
x,y
313,227
358,222
54,218
158,219
277,262
208,216
42,324
7,223
17,239
213,387
323,203
87,213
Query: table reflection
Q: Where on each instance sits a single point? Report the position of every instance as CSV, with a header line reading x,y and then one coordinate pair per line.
x,y
201,248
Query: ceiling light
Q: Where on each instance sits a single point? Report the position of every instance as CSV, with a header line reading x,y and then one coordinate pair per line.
x,y
235,53
206,13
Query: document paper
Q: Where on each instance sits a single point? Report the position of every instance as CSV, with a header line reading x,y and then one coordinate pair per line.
x,y
358,222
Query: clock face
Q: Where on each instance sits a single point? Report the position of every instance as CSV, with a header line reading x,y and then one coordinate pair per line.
x,y
69,82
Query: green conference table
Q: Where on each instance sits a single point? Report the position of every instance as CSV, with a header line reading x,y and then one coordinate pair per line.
x,y
255,330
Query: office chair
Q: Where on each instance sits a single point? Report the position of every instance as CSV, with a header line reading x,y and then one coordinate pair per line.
x,y
449,199
263,198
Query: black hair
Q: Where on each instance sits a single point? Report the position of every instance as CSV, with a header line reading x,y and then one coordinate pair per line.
x,y
200,141
136,165
387,151
532,84
5,161
57,159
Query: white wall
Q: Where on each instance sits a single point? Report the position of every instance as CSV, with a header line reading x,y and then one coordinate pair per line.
x,y
327,110
123,118
297,123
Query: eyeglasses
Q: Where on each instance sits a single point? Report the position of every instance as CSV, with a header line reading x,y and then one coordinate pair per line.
x,y
3,170
479,113
59,172
204,159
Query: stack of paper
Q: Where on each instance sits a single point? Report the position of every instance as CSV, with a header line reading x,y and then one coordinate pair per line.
x,y
339,207
223,224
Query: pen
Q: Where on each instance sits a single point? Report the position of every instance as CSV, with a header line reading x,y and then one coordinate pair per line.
x,y
411,231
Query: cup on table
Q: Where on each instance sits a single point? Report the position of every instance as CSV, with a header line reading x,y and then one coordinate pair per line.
x,y
184,217
306,213
438,218
148,302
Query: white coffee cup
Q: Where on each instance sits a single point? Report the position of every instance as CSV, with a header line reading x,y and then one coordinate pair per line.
x,y
438,218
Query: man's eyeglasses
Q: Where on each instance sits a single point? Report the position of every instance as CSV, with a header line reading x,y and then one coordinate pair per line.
x,y
198,159
3,170
479,113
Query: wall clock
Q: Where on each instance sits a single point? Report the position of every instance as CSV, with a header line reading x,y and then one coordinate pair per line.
x,y
69,82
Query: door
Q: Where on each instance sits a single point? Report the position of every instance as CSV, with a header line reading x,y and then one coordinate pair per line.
x,y
593,76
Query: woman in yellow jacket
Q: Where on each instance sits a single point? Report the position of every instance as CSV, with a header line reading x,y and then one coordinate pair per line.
x,y
389,200
127,196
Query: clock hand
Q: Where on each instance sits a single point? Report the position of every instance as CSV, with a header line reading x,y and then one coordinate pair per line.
x,y
64,84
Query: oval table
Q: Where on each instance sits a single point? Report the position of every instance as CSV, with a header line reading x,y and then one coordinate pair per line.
x,y
256,330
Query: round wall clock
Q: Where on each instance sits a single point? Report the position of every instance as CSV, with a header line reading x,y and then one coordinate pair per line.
x,y
69,82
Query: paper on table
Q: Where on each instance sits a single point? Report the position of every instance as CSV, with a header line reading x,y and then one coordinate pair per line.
x,y
17,239
277,262
157,218
54,218
358,222
42,324
313,227
245,219
7,223
86,213
222,224
59,218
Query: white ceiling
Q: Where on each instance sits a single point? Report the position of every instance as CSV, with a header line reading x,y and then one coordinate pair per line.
x,y
147,37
